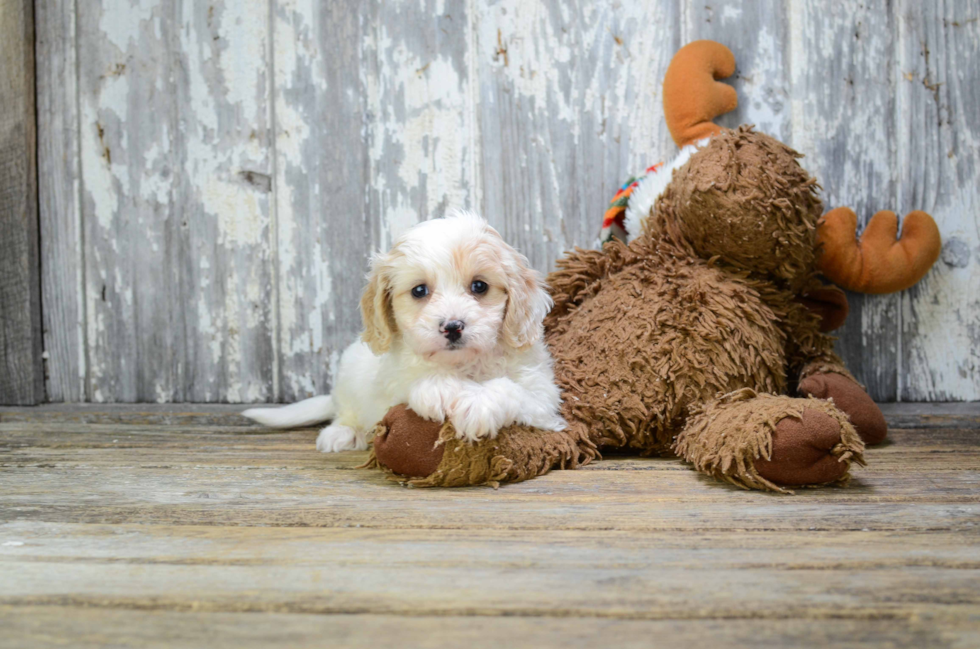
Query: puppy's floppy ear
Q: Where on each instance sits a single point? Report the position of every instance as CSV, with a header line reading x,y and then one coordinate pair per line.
x,y
528,302
376,310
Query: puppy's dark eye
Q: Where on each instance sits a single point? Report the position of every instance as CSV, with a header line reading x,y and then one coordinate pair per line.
x,y
479,287
420,291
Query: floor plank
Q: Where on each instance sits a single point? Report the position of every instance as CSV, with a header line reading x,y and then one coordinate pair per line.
x,y
48,625
432,572
151,527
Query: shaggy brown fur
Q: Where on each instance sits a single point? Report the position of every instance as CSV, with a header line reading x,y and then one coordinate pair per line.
x,y
728,437
684,316
517,453
680,341
747,202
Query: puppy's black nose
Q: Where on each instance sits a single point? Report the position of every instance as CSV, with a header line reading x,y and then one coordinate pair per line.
x,y
453,330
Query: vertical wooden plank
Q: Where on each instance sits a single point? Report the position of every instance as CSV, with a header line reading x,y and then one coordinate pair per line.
x,y
938,160
222,227
422,138
386,86
757,33
21,371
126,109
62,282
175,140
645,38
325,229
842,101
569,107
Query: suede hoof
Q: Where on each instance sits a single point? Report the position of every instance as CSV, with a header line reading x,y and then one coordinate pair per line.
x,y
802,451
850,398
409,447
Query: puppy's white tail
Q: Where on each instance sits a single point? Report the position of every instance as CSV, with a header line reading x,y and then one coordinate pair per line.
x,y
296,415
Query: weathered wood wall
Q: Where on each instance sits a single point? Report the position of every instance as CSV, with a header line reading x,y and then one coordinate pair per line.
x,y
21,374
215,175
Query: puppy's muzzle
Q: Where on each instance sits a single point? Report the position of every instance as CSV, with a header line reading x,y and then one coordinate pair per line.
x,y
453,330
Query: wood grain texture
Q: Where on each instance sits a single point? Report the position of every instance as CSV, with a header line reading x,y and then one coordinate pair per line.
x,y
568,110
126,118
221,229
62,247
160,526
325,229
421,138
43,626
925,480
235,165
391,98
757,33
938,169
174,138
843,116
412,573
21,369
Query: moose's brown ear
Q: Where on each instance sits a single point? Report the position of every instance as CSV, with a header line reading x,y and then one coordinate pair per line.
x,y
830,303
880,262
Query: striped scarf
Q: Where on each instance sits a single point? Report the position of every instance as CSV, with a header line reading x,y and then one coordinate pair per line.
x,y
614,222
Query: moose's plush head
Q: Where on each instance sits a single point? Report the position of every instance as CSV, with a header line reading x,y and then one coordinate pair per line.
x,y
743,198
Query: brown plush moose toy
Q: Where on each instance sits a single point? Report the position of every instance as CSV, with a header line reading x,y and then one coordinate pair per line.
x,y
695,338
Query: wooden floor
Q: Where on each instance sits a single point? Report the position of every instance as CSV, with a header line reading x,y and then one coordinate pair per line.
x,y
160,526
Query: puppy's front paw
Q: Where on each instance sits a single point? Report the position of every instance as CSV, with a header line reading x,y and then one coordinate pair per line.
x,y
427,406
432,398
335,438
476,415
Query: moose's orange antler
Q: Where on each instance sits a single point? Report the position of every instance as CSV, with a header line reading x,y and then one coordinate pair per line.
x,y
879,263
692,94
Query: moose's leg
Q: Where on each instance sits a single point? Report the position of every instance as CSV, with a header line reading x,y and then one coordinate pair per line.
x,y
848,395
821,372
428,454
763,441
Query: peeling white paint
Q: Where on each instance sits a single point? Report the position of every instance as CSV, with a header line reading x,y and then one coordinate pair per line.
x,y
122,20
244,25
422,143
764,99
941,315
730,13
97,174
226,145
301,326
154,185
521,39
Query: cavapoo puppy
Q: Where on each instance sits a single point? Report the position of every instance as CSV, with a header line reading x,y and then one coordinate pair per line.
x,y
452,327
